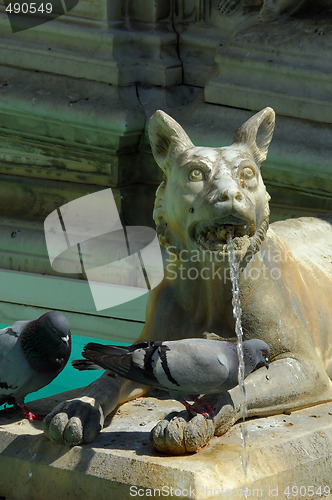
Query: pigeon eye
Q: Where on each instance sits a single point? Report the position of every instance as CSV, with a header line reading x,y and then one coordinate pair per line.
x,y
54,330
264,353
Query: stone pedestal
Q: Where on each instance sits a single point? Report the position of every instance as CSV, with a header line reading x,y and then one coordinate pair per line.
x,y
284,452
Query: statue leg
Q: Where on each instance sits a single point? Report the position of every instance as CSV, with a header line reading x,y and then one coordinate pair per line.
x,y
79,420
289,383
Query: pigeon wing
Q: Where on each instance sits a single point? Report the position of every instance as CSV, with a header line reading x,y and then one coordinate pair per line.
x,y
183,367
9,337
193,367
15,372
8,378
17,377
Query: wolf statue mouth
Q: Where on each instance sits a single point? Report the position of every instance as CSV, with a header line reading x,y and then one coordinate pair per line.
x,y
212,235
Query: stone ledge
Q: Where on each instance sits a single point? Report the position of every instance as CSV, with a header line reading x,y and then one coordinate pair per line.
x,y
285,66
284,450
101,50
59,109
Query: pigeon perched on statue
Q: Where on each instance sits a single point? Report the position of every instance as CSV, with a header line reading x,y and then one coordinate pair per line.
x,y
32,354
185,368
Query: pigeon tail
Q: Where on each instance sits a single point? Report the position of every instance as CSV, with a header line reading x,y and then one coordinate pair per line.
x,y
85,364
108,357
118,359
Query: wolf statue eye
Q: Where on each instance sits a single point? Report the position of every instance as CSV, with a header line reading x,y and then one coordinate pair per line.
x,y
196,175
247,173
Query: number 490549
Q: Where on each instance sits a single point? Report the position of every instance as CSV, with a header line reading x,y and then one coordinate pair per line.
x,y
29,8
307,491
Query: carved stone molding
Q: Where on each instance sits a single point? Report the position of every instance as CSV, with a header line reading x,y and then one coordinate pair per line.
x,y
116,42
287,66
61,128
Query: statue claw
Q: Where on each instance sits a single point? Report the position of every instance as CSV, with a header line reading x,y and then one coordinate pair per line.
x,y
178,436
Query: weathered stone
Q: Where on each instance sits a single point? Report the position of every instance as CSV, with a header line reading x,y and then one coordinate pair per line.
x,y
99,44
84,113
292,450
264,67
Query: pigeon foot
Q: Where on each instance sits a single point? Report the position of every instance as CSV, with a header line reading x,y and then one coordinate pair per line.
x,y
27,413
200,411
31,416
199,408
194,409
209,407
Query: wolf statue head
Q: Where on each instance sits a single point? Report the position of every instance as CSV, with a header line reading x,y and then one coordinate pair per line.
x,y
209,192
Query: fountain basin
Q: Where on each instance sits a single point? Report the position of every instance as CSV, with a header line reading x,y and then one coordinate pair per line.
x,y
285,451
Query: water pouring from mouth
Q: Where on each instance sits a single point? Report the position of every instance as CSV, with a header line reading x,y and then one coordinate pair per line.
x,y
234,275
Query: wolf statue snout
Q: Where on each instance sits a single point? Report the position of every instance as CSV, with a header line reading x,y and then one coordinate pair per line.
x,y
231,195
230,201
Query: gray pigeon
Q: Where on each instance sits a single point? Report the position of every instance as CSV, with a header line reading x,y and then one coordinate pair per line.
x,y
185,368
32,354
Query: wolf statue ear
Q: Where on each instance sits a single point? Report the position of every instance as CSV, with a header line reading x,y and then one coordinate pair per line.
x,y
166,138
256,133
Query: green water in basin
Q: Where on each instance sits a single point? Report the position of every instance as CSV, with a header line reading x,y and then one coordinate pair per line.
x,y
70,378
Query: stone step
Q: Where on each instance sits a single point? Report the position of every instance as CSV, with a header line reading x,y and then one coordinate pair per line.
x,y
286,454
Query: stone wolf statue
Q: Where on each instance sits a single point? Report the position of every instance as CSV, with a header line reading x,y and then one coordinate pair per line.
x,y
285,287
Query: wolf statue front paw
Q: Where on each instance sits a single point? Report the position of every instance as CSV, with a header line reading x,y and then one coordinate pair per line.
x,y
73,422
179,436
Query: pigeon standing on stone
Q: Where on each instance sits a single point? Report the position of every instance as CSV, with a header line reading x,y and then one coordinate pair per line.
x,y
32,354
185,368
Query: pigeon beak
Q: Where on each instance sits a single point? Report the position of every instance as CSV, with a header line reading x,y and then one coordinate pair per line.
x,y
266,363
65,340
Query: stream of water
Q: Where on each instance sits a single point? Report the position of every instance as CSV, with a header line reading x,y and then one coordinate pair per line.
x,y
234,274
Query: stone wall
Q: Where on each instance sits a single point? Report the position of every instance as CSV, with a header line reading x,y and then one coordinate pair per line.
x,y
76,93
